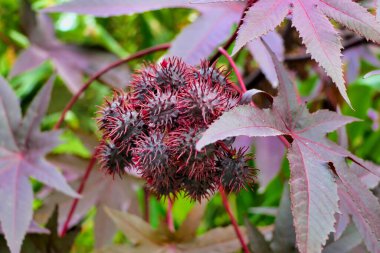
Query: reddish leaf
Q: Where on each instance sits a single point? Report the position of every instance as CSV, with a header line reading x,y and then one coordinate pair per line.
x,y
268,158
313,188
359,202
101,190
353,57
70,62
22,150
262,56
194,43
348,241
284,237
310,18
199,39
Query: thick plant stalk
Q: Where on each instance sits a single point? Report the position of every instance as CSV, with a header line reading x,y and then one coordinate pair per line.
x,y
89,168
234,67
102,72
169,216
233,220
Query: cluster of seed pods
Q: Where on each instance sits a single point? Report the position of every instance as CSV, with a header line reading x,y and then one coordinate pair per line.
x,y
153,128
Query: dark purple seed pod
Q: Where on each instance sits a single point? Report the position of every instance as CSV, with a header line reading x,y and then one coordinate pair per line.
x,y
111,108
165,184
142,82
202,101
151,152
160,108
112,159
235,172
200,188
126,124
181,143
201,167
154,129
171,73
217,76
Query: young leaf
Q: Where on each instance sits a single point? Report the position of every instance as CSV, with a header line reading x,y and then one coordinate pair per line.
x,y
314,194
22,150
310,19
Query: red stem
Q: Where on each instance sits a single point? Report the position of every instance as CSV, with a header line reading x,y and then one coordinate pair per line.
x,y
234,67
169,216
233,220
102,72
80,190
244,88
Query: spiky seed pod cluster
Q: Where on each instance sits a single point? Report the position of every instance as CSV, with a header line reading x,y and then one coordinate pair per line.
x,y
154,129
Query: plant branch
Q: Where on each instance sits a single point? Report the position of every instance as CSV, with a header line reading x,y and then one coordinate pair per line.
x,y
86,175
233,220
169,216
234,35
234,67
102,72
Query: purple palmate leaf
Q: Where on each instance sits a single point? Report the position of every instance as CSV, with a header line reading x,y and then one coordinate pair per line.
x,y
353,57
34,228
22,150
348,241
310,18
359,202
268,158
262,56
194,43
101,190
70,62
314,191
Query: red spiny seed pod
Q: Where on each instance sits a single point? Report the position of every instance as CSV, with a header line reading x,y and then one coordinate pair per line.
x,y
202,166
151,153
165,184
202,100
111,109
155,127
142,83
182,142
112,159
199,188
217,76
171,73
125,124
160,108
235,172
